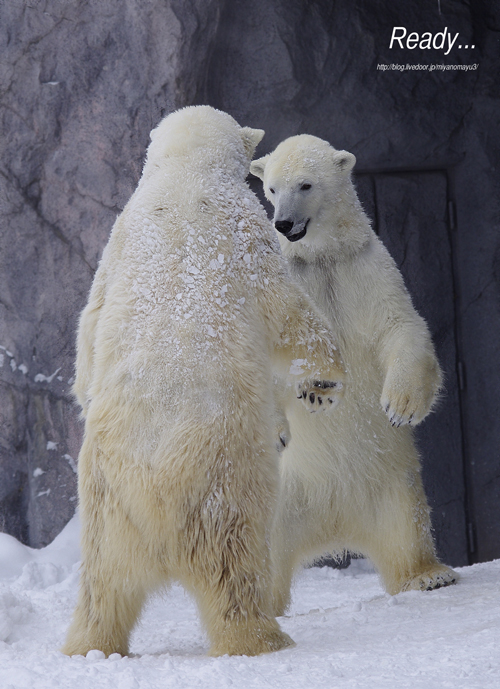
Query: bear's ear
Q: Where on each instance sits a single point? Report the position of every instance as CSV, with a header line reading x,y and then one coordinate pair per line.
x,y
251,138
344,161
257,167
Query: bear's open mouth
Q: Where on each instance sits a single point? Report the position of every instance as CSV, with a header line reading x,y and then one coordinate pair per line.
x,y
299,235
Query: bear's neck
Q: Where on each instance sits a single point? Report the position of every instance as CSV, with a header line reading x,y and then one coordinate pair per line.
x,y
211,165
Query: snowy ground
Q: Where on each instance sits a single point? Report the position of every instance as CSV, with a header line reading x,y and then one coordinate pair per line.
x,y
348,632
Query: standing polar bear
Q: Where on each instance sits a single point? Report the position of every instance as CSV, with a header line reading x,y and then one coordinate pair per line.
x,y
178,472
352,480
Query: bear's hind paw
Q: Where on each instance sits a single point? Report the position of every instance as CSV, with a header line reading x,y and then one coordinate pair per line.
x,y
252,643
432,579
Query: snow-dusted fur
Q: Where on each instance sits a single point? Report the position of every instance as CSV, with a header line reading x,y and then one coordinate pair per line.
x,y
351,480
178,471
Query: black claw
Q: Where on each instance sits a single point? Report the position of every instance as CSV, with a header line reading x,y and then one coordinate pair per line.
x,y
320,401
312,397
304,394
387,407
324,384
330,400
282,441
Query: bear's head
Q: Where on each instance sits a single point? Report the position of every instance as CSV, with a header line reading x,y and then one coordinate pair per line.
x,y
209,136
304,177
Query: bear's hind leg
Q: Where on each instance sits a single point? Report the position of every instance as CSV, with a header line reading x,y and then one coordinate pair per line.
x,y
282,581
400,542
286,547
433,576
303,530
114,573
104,616
231,584
237,620
250,636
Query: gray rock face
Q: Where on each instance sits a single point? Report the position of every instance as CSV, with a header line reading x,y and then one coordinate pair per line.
x,y
82,85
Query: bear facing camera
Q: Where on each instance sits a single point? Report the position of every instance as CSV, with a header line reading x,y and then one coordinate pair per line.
x,y
352,481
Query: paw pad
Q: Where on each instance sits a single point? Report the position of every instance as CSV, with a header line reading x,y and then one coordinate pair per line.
x,y
320,394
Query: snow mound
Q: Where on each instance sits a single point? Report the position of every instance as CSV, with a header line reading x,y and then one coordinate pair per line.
x,y
348,632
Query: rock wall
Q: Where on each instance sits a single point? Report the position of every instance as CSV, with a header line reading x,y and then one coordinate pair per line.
x,y
82,85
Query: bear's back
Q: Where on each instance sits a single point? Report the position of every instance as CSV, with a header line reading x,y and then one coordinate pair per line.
x,y
183,294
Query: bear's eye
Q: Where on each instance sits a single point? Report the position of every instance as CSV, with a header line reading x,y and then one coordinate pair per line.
x,y
305,187
271,190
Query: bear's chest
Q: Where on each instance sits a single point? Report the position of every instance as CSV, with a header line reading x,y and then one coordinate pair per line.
x,y
337,293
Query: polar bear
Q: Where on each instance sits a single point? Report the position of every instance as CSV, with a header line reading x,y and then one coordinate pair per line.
x,y
178,473
351,481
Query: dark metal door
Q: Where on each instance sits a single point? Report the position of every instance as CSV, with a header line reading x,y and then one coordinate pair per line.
x,y
409,211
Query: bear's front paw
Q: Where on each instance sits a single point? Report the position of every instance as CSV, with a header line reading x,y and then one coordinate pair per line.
x,y
319,395
410,390
404,408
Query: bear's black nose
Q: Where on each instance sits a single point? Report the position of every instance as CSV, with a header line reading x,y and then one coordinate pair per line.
x,y
283,226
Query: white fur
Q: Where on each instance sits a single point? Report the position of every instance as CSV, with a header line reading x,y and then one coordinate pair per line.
x,y
178,471
352,480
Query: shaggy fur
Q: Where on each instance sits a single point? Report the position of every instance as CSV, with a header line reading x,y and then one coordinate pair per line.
x,y
352,480
178,471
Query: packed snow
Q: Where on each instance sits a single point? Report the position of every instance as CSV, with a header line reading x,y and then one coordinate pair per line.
x,y
348,632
